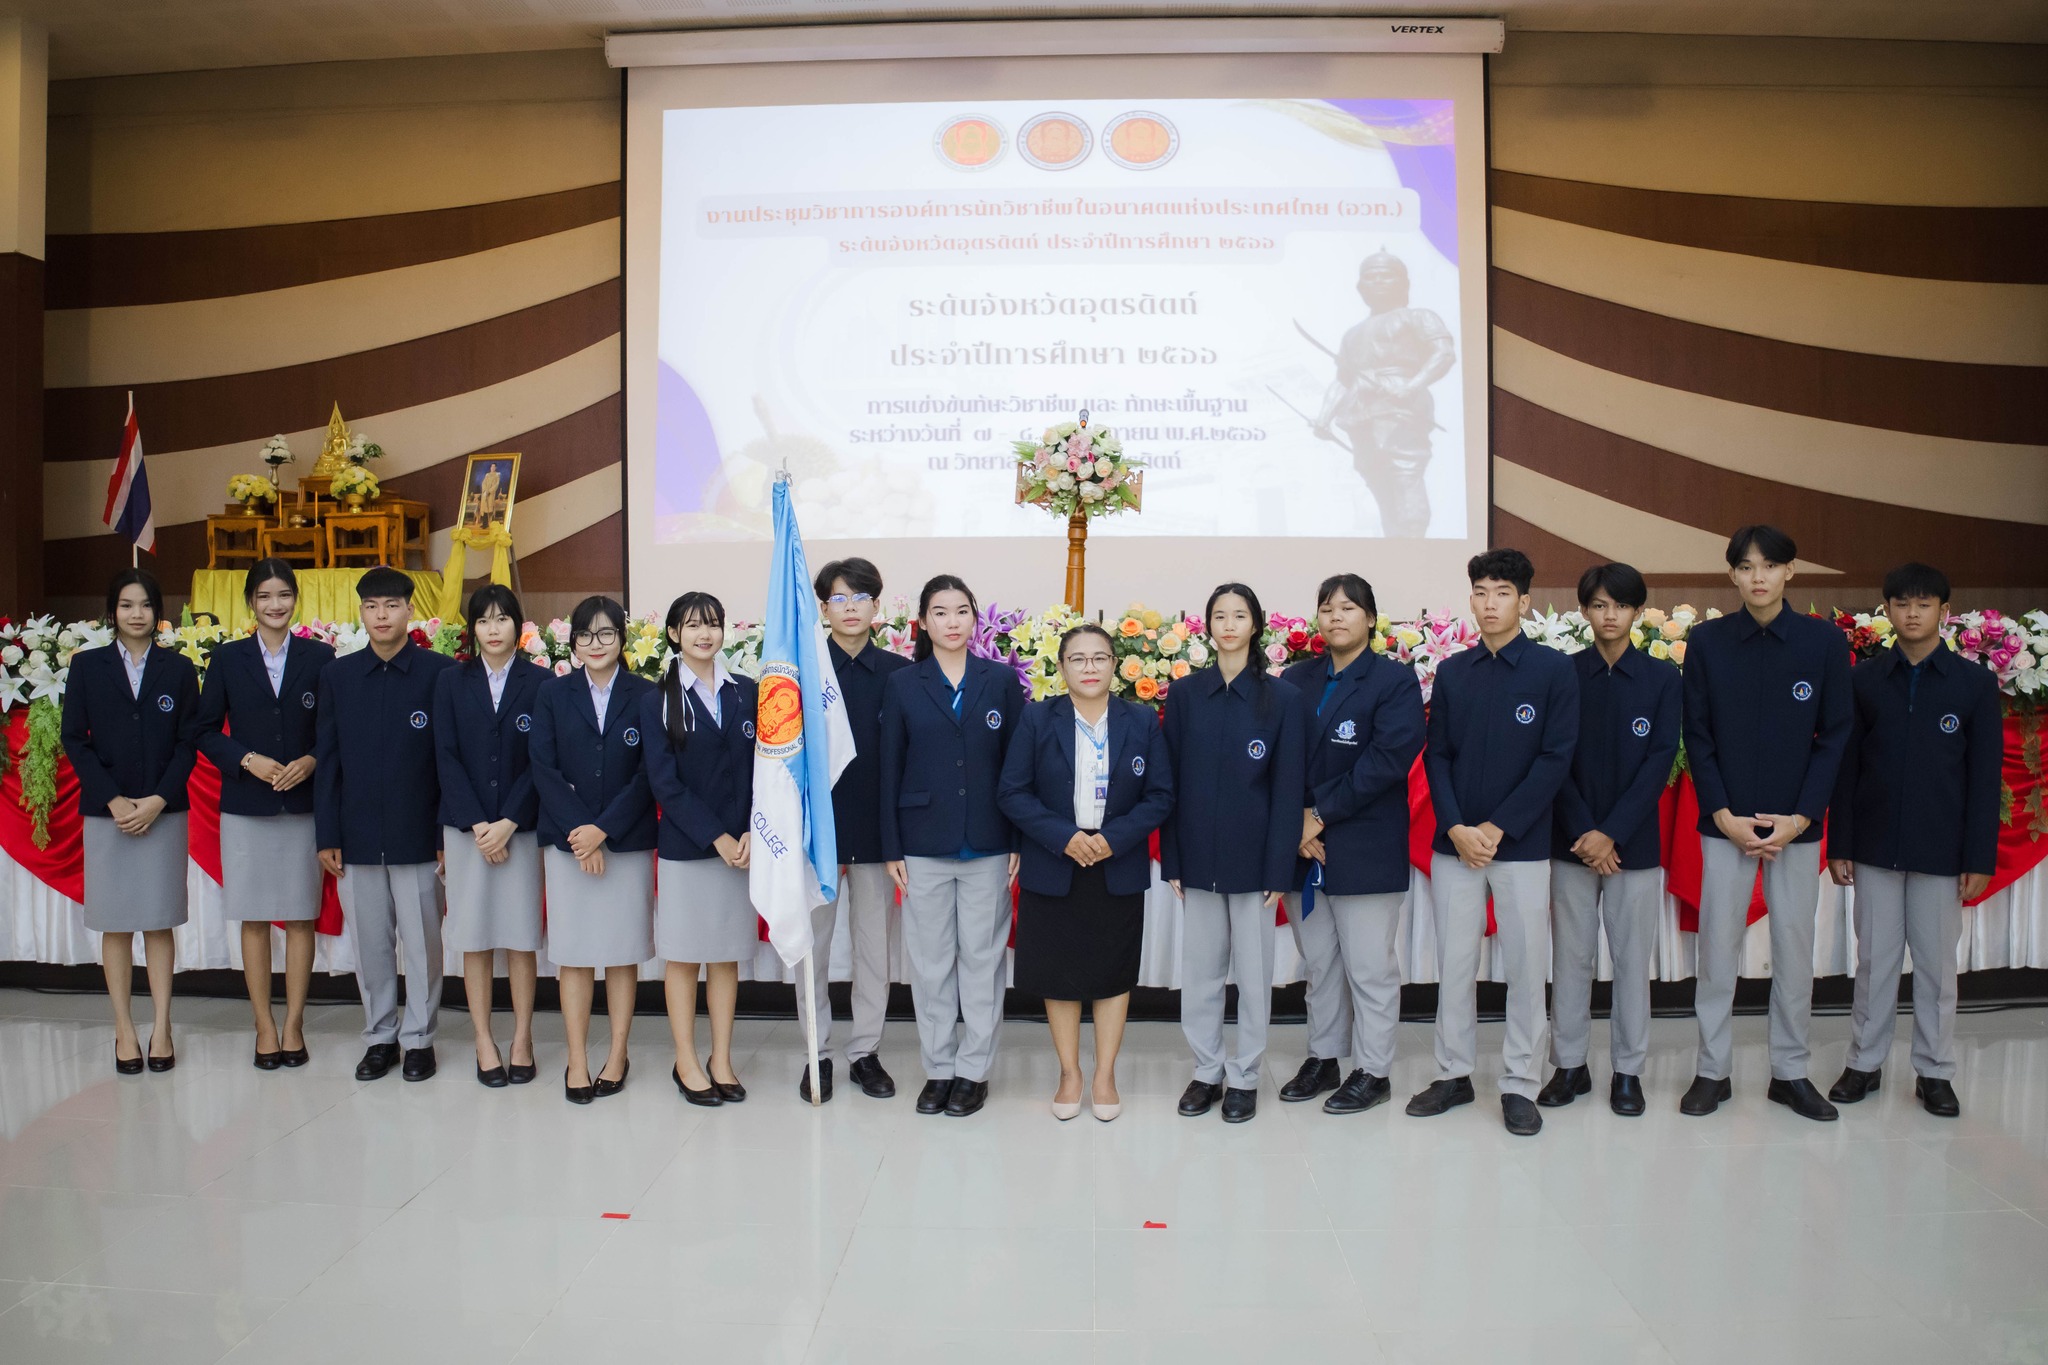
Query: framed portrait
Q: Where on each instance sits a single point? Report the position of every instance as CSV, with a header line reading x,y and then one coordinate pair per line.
x,y
490,484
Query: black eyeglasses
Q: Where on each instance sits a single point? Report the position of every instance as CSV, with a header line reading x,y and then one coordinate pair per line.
x,y
603,635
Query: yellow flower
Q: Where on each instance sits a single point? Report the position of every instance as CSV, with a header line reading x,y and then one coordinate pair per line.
x,y
1659,650
1153,619
1133,668
1882,626
1170,642
1408,636
1653,618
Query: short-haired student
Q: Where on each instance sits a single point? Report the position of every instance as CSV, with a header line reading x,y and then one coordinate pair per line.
x,y
258,719
1606,851
1767,717
1503,719
589,756
1916,813
130,729
1234,736
483,723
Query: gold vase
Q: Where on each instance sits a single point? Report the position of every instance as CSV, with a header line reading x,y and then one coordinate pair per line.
x,y
252,507
353,501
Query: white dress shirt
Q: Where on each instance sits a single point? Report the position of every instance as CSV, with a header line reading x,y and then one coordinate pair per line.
x,y
133,667
709,693
1091,770
496,678
601,697
273,664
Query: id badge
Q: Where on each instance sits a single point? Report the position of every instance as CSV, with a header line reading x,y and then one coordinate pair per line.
x,y
1101,791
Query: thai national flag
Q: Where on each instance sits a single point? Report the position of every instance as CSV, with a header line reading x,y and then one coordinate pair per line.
x,y
128,509
802,741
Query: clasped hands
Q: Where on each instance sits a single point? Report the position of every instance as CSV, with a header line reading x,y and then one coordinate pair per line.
x,y
281,776
1088,849
135,816
1760,836
1476,844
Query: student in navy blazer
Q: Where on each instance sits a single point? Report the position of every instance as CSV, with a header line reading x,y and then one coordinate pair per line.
x,y
1235,738
129,728
597,827
258,721
1363,716
1087,780
947,722
483,721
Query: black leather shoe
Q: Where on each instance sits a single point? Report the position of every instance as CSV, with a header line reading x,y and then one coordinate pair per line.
x,y
803,1087
419,1064
873,1081
1625,1095
294,1056
1854,1085
730,1092
1803,1099
269,1061
163,1063
1361,1091
600,1087
1317,1074
1441,1097
1703,1096
1240,1105
1198,1099
1937,1097
706,1097
521,1075
127,1066
1521,1115
376,1062
1565,1085
967,1098
932,1099
491,1078
576,1094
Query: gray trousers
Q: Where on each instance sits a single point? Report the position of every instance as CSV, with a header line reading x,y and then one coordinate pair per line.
x,y
868,896
389,909
1224,937
1328,999
1581,900
1366,929
1792,895
1894,910
956,930
1521,910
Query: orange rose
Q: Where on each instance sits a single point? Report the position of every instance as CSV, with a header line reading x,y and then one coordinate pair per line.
x,y
1147,688
1133,667
1180,668
1130,626
1678,652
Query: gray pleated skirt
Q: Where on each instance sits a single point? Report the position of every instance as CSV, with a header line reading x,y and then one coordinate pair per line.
x,y
134,883
704,913
603,921
493,905
269,867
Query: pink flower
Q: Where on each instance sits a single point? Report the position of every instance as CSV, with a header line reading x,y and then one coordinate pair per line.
x,y
1277,652
1970,640
562,669
1073,464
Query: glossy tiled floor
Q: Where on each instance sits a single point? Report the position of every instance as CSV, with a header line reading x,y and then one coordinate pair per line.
x,y
220,1213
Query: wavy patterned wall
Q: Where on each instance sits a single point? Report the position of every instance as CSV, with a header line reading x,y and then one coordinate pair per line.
x,y
433,244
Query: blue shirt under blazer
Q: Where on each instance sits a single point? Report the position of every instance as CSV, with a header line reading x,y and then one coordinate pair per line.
x,y
131,744
1767,714
1501,731
705,788
481,750
1919,786
1628,738
240,715
940,771
1038,795
590,778
377,791
857,795
1237,756
1360,748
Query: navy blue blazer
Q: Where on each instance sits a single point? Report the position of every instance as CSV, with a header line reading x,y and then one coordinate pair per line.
x,y
480,751
132,745
1501,732
1919,786
240,715
1767,716
377,791
1038,795
705,788
1238,759
1628,739
857,795
590,778
939,773
1359,752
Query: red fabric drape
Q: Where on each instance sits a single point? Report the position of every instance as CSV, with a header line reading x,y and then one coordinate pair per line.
x,y
60,866
2020,847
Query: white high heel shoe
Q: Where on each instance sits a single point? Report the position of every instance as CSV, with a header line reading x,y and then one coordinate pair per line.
x,y
1106,1113
1063,1112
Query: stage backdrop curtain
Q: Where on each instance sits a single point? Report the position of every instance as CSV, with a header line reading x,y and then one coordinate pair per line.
x,y
324,595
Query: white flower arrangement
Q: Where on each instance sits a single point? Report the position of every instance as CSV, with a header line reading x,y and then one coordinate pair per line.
x,y
355,480
277,452
362,450
251,488
1073,468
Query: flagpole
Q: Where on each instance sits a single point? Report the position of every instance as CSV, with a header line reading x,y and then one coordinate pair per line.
x,y
811,1030
134,549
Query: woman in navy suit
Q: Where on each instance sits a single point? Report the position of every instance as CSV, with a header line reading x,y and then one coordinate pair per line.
x,y
483,719
597,827
1087,780
946,726
1235,737
130,728
700,764
257,718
